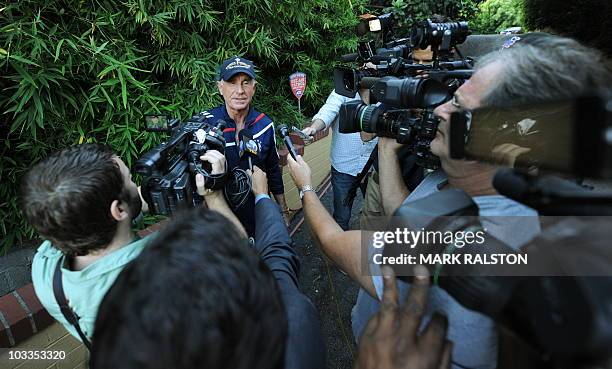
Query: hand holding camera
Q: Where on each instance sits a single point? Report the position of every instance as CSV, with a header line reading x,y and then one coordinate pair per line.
x,y
219,166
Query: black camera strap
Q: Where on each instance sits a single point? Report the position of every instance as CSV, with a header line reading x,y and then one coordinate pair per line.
x,y
350,196
60,298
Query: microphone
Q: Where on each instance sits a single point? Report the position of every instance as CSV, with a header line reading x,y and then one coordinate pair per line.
x,y
248,146
221,124
284,132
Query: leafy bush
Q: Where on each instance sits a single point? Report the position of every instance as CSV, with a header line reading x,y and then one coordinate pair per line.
x,y
408,12
497,15
588,21
75,71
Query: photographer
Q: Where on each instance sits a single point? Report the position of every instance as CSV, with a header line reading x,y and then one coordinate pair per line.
x,y
82,201
519,74
237,85
201,297
348,155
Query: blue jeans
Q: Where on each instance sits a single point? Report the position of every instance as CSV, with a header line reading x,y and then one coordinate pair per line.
x,y
341,184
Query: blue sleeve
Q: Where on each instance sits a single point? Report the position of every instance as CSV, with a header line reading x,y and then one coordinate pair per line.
x,y
275,178
273,243
261,196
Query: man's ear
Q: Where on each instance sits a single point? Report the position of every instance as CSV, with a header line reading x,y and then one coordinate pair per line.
x,y
219,84
119,210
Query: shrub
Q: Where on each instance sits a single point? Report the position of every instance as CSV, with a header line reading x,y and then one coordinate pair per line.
x,y
76,71
408,12
588,21
497,15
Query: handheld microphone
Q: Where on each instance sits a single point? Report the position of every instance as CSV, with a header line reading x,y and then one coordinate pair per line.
x,y
248,146
284,132
221,125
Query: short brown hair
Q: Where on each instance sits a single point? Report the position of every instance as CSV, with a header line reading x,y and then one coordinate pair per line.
x,y
67,198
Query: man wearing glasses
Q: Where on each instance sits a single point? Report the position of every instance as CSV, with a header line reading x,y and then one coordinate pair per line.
x,y
237,86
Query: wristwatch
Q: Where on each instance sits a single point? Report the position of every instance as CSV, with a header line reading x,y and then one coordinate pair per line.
x,y
306,188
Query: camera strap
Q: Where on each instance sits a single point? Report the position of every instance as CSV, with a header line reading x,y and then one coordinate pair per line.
x,y
60,298
350,196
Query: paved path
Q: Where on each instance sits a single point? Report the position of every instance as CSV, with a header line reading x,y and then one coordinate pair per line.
x,y
331,291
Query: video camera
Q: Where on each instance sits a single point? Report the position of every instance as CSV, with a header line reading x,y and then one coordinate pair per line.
x,y
395,84
559,302
414,128
395,58
169,170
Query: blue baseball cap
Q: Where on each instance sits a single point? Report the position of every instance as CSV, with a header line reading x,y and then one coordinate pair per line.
x,y
235,65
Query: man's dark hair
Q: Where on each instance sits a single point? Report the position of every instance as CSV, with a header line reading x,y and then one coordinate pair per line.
x,y
197,297
67,198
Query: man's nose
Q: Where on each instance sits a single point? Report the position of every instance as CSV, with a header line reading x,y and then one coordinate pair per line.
x,y
444,111
240,88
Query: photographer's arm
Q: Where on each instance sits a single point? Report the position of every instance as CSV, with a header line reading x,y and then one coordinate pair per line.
x,y
215,199
344,248
393,190
326,115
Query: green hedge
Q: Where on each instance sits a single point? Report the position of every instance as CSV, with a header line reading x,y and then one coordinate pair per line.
x,y
497,15
408,12
75,71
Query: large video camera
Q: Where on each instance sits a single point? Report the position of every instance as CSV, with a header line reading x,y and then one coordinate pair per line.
x,y
410,127
169,170
559,302
407,99
395,57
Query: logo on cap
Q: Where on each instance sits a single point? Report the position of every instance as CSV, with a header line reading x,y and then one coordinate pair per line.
x,y
237,63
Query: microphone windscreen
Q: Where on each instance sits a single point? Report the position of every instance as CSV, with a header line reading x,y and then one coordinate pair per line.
x,y
221,124
282,130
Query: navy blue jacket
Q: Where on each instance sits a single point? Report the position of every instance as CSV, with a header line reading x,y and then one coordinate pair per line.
x,y
262,129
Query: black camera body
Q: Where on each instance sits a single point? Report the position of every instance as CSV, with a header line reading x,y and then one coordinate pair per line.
x,y
407,98
398,116
169,169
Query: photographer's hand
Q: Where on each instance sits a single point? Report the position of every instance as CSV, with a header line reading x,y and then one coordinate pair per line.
x,y
315,126
216,160
388,145
391,339
259,181
300,171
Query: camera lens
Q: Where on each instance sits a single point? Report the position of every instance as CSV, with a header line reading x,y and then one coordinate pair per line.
x,y
410,92
355,116
348,122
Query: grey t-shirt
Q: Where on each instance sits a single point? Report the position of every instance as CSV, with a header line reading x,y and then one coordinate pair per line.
x,y
473,334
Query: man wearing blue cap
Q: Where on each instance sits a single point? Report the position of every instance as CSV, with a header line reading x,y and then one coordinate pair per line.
x,y
237,86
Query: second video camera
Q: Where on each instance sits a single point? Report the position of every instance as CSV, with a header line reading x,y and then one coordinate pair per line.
x,y
169,169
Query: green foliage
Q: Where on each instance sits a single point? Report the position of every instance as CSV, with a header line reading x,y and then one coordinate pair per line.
x,y
76,71
408,12
497,15
588,21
